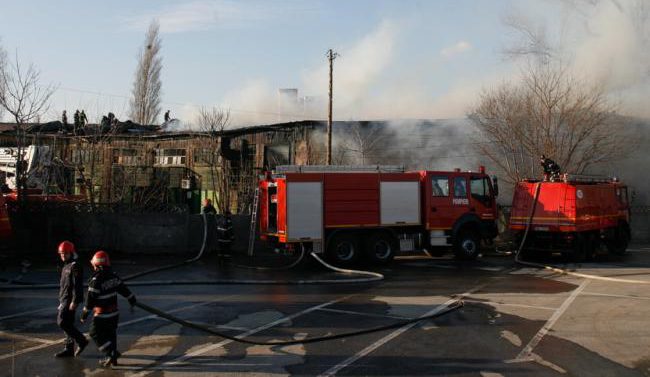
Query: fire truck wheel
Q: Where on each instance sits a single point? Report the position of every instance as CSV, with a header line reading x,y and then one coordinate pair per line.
x,y
579,252
618,245
343,250
380,248
591,247
467,245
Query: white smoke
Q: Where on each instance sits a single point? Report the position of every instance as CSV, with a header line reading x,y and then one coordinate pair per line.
x,y
601,41
357,71
604,42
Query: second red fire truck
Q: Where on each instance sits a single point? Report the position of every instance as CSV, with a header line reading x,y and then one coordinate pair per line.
x,y
373,213
574,216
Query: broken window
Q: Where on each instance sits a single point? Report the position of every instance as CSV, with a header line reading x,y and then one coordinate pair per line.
x,y
170,157
128,157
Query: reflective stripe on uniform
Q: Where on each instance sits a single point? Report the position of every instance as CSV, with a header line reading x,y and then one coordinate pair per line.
x,y
114,294
104,346
91,289
106,315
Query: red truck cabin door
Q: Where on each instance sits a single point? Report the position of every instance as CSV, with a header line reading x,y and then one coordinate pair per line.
x,y
481,199
438,201
460,196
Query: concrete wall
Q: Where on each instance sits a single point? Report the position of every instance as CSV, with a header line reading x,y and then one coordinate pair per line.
x,y
155,233
179,234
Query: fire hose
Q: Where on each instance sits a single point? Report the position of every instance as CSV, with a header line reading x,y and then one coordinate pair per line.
x,y
446,310
561,271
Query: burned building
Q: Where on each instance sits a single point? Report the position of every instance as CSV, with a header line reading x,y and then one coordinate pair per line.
x,y
161,170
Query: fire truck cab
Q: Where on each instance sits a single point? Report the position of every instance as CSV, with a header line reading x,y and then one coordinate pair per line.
x,y
374,212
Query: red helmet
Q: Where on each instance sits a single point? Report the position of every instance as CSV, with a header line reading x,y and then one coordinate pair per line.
x,y
66,247
100,259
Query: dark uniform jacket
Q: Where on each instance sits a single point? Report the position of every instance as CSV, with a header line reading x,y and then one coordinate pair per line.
x,y
71,285
225,231
209,210
103,288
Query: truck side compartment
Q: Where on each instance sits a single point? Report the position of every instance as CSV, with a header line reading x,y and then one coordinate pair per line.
x,y
373,215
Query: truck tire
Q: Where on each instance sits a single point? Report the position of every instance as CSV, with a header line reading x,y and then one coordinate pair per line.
x,y
380,248
618,245
591,247
343,250
467,244
579,252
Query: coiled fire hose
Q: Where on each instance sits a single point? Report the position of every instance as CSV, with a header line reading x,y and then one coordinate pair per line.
x,y
556,269
446,310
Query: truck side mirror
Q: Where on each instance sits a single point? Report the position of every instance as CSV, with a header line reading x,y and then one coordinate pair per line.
x,y
495,185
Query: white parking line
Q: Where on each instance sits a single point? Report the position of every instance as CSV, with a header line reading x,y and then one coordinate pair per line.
x,y
615,296
480,301
335,369
27,313
8,335
525,353
127,323
147,370
362,314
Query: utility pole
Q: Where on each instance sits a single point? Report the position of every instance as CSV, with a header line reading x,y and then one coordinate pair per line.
x,y
331,55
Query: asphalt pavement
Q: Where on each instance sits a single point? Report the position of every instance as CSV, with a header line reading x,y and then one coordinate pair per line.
x,y
516,321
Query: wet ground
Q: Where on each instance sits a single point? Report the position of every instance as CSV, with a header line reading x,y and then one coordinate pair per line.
x,y
517,321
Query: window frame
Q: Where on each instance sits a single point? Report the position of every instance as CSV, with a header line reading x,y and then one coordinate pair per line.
x,y
440,178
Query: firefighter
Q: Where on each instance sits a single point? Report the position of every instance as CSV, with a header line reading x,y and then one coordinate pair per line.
x,y
225,236
101,299
76,119
64,118
83,119
551,169
167,116
208,208
70,296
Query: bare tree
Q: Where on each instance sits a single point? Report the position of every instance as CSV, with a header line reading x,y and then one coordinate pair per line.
x,y
531,39
548,113
213,121
24,97
361,143
145,104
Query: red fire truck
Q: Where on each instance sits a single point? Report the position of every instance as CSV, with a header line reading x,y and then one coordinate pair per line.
x,y
372,213
573,216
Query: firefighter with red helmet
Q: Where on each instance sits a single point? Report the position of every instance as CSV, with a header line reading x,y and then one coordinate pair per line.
x,y
101,299
70,296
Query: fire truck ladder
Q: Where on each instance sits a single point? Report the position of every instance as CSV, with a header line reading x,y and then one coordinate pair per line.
x,y
583,178
251,233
